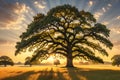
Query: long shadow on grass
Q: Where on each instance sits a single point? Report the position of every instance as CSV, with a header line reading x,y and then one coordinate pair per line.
x,y
44,74
72,73
93,74
22,76
51,75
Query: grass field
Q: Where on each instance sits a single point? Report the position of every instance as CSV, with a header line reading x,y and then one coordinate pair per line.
x,y
81,72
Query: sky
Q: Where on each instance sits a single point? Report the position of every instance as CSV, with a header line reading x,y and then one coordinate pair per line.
x,y
15,15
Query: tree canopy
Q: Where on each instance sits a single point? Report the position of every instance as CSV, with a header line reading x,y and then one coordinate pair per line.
x,y
28,61
66,31
116,60
5,60
56,62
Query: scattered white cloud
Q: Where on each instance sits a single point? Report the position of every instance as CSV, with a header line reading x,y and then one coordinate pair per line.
x,y
109,5
100,12
115,30
118,17
104,9
105,23
21,8
90,3
40,5
97,15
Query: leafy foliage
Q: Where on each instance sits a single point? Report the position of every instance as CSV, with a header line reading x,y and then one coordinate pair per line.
x,y
116,60
56,62
67,31
29,62
5,60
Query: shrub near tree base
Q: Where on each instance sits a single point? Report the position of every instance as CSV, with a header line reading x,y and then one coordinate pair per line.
x,y
66,31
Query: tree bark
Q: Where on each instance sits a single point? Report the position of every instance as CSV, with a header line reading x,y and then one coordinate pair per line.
x,y
69,56
5,65
69,62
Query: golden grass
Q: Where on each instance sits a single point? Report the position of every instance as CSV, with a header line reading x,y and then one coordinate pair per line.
x,y
81,72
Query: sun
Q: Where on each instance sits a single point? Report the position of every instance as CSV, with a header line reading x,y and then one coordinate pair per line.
x,y
51,59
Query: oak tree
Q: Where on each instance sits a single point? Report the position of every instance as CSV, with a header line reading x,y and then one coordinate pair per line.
x,y
5,60
116,60
66,31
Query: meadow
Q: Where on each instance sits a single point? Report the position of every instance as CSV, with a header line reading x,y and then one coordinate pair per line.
x,y
51,72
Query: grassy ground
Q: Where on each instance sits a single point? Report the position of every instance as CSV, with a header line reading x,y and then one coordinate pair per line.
x,y
83,72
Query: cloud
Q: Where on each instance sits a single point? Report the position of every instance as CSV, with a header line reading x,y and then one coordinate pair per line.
x,y
6,43
12,15
109,5
118,17
21,8
116,42
105,23
90,3
40,4
97,15
115,30
104,9
16,24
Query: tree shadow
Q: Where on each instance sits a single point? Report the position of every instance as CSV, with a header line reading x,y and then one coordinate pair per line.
x,y
51,75
23,76
101,74
74,75
67,74
93,74
44,74
25,66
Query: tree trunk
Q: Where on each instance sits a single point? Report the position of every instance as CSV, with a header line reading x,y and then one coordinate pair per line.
x,y
69,62
118,65
5,65
69,56
30,65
